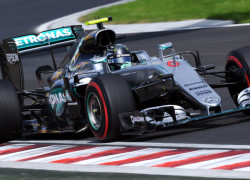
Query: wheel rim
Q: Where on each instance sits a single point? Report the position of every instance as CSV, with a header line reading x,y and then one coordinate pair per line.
x,y
94,109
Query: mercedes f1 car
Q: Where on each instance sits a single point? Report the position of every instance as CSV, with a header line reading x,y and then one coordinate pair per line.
x,y
103,86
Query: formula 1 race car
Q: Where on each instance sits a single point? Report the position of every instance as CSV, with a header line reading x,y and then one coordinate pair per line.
x,y
104,86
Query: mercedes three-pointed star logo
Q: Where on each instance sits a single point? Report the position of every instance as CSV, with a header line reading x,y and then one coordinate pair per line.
x,y
211,100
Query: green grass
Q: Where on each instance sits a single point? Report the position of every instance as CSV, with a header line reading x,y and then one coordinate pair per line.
x,y
145,11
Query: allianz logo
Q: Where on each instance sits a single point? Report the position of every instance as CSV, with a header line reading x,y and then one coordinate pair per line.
x,y
52,35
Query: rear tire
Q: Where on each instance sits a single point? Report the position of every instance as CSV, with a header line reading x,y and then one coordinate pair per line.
x,y
107,96
10,112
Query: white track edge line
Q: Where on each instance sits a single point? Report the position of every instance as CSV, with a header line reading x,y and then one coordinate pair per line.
x,y
142,144
131,170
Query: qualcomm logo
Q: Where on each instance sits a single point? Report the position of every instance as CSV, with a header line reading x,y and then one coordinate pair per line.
x,y
211,100
53,35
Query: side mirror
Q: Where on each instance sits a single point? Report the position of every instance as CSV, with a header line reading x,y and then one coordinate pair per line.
x,y
165,46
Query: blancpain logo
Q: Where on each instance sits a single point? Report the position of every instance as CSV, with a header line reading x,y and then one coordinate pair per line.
x,y
211,100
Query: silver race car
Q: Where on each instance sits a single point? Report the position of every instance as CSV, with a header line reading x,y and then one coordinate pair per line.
x,y
103,86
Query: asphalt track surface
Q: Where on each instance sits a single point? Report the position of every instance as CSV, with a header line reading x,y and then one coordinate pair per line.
x,y
21,17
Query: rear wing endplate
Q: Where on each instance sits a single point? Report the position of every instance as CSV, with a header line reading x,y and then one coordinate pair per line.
x,y
12,48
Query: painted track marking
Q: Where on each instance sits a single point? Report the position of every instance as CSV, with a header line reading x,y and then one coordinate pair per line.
x,y
126,156
140,159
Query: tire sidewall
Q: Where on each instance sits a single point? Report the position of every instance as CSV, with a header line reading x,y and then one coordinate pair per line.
x,y
95,88
239,58
235,59
116,97
11,121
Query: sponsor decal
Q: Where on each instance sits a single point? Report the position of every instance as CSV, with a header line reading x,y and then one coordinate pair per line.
x,y
199,82
53,36
172,64
136,119
199,93
72,104
198,87
57,98
211,100
12,58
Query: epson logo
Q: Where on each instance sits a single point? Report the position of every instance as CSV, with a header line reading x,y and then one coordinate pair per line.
x,y
12,58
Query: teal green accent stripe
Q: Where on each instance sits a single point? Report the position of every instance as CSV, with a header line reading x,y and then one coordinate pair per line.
x,y
220,113
104,60
163,68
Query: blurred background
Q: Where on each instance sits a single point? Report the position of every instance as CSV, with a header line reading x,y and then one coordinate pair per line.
x,y
19,17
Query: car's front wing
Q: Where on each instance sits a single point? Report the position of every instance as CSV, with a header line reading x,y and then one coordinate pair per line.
x,y
139,122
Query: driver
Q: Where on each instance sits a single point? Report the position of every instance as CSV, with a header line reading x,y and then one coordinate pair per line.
x,y
119,57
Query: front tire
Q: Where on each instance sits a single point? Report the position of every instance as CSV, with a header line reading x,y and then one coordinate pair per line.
x,y
107,96
10,112
238,63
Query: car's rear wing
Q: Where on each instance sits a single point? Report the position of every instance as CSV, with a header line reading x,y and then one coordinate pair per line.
x,y
31,43
13,48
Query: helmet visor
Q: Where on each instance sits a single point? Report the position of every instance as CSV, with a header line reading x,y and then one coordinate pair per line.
x,y
120,59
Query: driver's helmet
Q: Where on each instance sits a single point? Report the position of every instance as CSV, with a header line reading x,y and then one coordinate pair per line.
x,y
119,57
